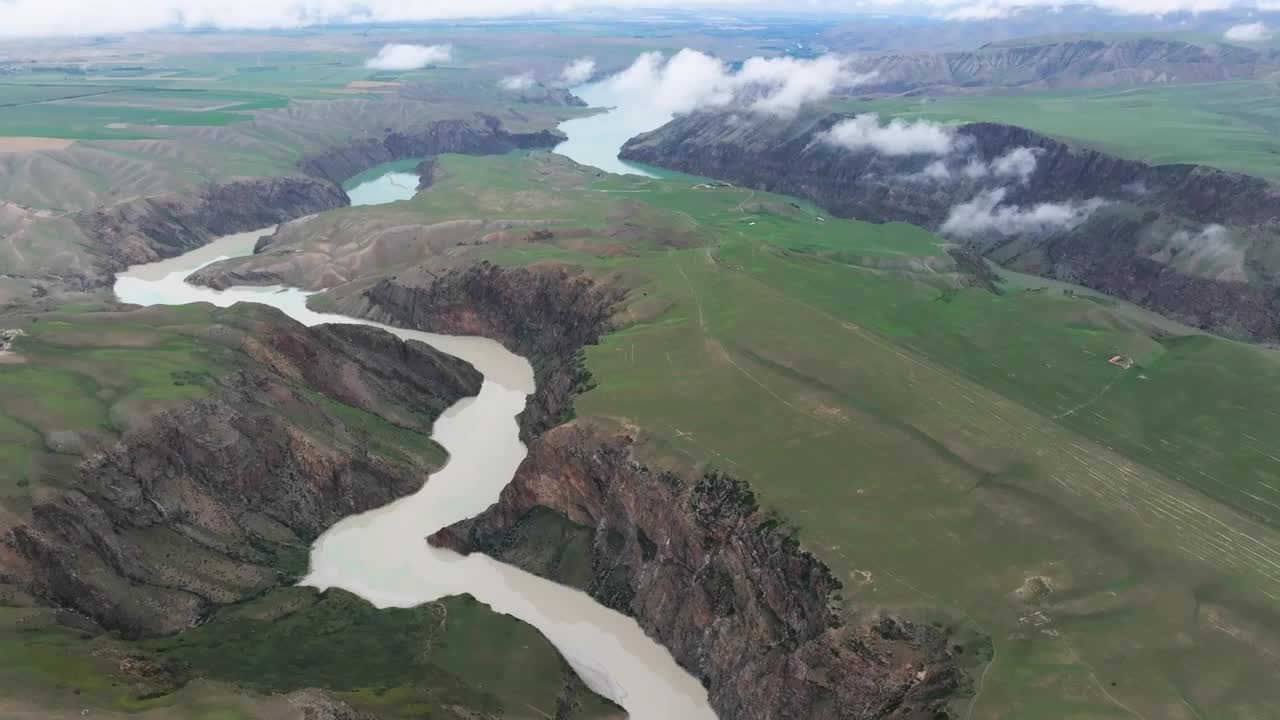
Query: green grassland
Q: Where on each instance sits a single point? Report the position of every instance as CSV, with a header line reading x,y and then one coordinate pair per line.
x,y
74,381
413,663
938,445
1236,125
224,117
440,660
77,380
89,377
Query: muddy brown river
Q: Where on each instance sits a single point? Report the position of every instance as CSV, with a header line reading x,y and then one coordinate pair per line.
x,y
382,555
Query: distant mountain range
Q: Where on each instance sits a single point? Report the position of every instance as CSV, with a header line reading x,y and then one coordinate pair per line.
x,y
1080,63
887,33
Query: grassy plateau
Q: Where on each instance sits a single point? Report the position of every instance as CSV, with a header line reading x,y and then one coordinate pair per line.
x,y
1235,125
972,456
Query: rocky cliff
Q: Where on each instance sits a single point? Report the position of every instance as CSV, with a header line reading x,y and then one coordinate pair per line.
x,y
218,499
480,135
707,573
1192,242
153,228
717,581
546,314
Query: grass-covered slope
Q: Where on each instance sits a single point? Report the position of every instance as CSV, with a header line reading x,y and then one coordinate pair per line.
x,y
453,659
1228,125
164,471
970,454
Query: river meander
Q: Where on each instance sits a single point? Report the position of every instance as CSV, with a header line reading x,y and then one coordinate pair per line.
x,y
382,555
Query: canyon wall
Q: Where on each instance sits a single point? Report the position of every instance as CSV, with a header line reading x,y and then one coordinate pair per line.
x,y
480,135
1191,242
218,499
720,583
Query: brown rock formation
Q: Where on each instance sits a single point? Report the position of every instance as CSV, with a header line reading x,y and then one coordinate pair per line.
x,y
706,573
481,135
219,499
718,582
546,314
155,228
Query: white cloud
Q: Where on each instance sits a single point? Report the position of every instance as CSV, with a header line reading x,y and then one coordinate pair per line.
x,y
1017,163
523,81
975,169
985,213
1212,241
692,80
897,137
1248,32
409,57
789,83
936,170
578,71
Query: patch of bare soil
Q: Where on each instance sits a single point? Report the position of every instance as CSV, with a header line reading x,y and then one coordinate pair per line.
x,y
1034,588
7,354
33,144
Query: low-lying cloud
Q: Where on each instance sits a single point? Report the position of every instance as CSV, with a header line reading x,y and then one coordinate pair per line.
x,y
1248,32
523,81
395,56
986,213
578,71
896,137
692,80
1212,241
1017,164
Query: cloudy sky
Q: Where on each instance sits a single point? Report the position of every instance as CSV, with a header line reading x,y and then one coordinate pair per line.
x,y
81,17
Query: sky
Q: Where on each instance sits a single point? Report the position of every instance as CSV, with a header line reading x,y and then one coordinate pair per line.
x,y
34,18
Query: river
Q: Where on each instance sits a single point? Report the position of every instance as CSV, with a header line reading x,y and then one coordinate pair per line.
x,y
596,139
382,555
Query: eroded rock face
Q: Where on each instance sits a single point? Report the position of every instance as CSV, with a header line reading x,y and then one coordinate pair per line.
x,y
153,228
715,580
1139,243
481,135
546,314
150,229
708,574
219,499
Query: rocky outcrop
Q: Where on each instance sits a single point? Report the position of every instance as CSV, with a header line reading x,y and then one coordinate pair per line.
x,y
1143,244
480,135
426,171
546,314
154,228
541,94
219,499
720,583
